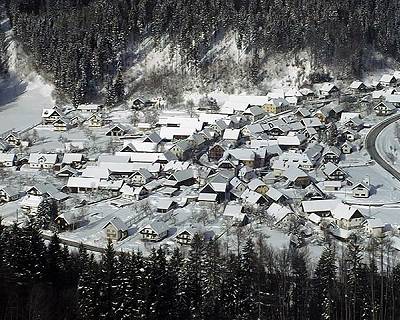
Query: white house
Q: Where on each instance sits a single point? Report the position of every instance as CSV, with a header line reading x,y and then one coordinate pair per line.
x,y
7,159
43,160
115,229
347,217
155,231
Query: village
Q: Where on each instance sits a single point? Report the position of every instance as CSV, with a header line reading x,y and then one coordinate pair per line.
x,y
292,166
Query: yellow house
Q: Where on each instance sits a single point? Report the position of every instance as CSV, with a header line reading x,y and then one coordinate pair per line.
x,y
276,106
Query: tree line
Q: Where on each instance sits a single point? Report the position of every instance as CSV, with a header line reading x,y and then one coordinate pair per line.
x,y
47,281
84,45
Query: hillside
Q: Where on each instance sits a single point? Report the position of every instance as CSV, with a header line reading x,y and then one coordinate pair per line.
x,y
91,48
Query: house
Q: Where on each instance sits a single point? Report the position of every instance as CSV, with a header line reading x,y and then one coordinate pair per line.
x,y
322,208
296,177
43,160
82,184
13,139
95,120
307,93
331,154
393,99
347,217
231,136
361,189
74,160
89,108
49,116
181,178
186,235
4,145
235,214
375,227
333,172
384,108
7,159
277,105
253,198
30,204
62,124
329,90
291,141
275,195
258,186
47,190
115,229
332,185
350,135
254,113
358,86
8,194
182,150
216,152
346,148
66,172
388,80
247,157
279,213
141,177
66,221
302,113
117,130
165,205
155,231
209,194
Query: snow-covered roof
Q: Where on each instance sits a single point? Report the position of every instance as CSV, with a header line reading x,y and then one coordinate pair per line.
x,y
293,173
274,194
6,157
240,103
242,154
231,134
48,158
319,205
158,227
387,78
344,211
96,172
291,140
255,183
278,211
233,210
330,168
169,133
375,223
117,223
164,204
314,218
114,158
69,158
392,98
31,201
356,84
83,182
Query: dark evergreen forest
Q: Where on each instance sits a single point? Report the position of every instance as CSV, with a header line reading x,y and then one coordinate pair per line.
x,y
39,281
84,44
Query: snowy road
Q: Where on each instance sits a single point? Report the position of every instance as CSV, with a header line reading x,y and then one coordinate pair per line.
x,y
371,145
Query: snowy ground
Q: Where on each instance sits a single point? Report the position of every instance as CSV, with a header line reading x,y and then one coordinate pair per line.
x,y
21,103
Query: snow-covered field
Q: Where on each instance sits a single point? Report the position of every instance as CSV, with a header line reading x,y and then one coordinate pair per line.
x,y
21,102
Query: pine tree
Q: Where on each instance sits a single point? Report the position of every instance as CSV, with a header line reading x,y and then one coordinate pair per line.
x,y
88,289
323,289
300,286
248,288
107,283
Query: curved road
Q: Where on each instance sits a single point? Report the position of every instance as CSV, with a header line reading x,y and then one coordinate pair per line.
x,y
370,145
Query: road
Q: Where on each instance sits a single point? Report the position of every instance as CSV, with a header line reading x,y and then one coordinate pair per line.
x,y
370,144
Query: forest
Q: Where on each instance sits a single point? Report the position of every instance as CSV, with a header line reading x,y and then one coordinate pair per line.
x,y
41,280
85,45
